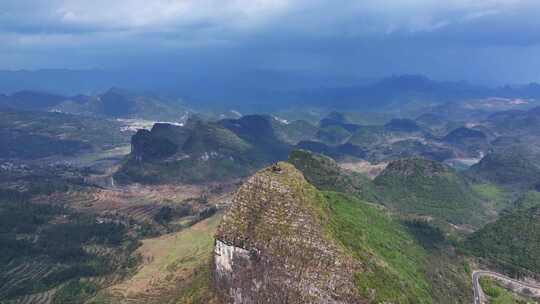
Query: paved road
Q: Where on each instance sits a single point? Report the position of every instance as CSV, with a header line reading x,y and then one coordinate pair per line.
x,y
479,297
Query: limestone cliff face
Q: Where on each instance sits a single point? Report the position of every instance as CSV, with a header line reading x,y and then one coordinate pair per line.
x,y
272,245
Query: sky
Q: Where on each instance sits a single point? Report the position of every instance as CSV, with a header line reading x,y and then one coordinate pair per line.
x,y
482,41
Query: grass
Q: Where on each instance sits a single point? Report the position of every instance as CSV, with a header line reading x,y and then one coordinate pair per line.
x,y
178,257
489,191
408,260
198,289
393,258
90,158
496,198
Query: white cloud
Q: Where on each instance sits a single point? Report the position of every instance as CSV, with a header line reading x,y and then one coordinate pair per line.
x,y
306,30
143,15
325,16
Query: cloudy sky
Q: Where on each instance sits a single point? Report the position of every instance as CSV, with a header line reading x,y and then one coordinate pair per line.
x,y
484,41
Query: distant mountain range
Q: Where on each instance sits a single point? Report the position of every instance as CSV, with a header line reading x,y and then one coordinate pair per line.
x,y
37,134
114,103
267,90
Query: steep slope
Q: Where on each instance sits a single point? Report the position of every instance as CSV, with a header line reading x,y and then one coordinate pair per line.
x,y
283,241
202,151
271,246
197,152
513,241
428,188
261,132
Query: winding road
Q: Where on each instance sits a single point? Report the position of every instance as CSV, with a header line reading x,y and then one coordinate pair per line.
x,y
480,298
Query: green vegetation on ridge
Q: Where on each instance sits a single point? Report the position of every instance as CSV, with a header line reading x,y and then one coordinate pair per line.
x,y
393,259
325,174
516,167
512,242
203,151
406,262
429,188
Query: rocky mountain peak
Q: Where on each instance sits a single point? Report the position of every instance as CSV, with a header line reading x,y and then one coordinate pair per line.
x,y
273,245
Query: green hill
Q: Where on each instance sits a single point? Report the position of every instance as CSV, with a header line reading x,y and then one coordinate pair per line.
x,y
516,167
515,122
344,230
528,200
333,135
369,135
283,229
470,141
325,174
412,186
262,133
512,242
429,188
295,131
202,151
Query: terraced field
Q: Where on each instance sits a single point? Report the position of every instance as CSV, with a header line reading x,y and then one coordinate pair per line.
x,y
37,279
141,204
38,298
168,262
16,275
167,218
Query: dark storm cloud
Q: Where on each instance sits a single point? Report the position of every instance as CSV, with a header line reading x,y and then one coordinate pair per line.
x,y
435,37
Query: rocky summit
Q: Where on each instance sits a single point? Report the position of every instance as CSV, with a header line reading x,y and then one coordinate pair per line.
x,y
272,245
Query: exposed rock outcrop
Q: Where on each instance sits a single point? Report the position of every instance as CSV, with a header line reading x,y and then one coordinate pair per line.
x,y
273,245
